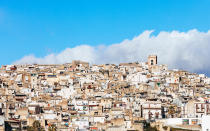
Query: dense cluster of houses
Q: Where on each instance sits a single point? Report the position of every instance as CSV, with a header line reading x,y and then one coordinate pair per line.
x,y
79,96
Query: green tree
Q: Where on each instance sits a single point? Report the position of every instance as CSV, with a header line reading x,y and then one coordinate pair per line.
x,y
147,127
52,128
171,111
35,127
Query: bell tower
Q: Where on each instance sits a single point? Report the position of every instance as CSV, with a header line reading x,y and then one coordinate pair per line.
x,y
152,60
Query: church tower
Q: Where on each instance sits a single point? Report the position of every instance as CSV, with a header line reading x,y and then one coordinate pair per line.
x,y
152,60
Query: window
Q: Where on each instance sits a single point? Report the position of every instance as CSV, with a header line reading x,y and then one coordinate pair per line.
x,y
152,62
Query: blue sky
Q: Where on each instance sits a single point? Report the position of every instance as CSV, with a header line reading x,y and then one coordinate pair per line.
x,y
41,27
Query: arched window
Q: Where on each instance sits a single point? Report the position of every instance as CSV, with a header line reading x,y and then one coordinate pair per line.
x,y
152,62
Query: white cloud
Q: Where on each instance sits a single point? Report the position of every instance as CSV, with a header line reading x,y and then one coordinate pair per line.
x,y
184,50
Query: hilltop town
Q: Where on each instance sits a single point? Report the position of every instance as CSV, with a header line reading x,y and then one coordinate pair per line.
x,y
79,96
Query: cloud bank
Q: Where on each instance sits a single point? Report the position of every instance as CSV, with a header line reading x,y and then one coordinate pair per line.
x,y
183,50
